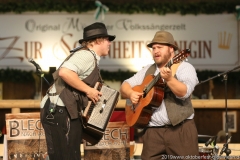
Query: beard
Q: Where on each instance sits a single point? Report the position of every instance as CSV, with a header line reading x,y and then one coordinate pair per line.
x,y
162,62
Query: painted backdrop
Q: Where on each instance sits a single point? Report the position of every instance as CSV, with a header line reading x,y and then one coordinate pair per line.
x,y
47,38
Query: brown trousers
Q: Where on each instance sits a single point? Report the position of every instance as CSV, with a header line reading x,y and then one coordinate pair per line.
x,y
178,142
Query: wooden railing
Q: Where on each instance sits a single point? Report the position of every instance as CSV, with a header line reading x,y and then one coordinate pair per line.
x,y
16,105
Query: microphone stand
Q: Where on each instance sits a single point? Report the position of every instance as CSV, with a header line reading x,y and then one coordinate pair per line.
x,y
226,149
224,74
40,73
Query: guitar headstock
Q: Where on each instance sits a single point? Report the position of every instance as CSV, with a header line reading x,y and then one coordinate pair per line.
x,y
181,56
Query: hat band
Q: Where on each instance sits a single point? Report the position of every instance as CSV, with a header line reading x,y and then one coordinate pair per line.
x,y
94,32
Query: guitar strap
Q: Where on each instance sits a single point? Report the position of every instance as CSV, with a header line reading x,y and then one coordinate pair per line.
x,y
174,68
151,70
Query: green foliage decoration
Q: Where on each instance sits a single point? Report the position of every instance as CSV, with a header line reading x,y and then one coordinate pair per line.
x,y
15,75
116,76
129,7
19,76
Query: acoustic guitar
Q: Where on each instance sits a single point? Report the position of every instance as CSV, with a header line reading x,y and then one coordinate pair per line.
x,y
152,88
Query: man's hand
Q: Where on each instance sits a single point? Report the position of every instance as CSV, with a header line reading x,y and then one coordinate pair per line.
x,y
135,97
93,94
166,73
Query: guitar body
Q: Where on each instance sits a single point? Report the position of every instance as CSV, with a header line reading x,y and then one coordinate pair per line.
x,y
139,115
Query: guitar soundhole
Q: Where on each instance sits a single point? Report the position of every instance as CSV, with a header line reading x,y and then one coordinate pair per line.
x,y
133,108
145,92
144,95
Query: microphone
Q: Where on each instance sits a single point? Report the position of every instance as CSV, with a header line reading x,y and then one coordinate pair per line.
x,y
75,49
38,68
209,141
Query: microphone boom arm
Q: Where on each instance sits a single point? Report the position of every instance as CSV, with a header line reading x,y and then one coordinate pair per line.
x,y
38,70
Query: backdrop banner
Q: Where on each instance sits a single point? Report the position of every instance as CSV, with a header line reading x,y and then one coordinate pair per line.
x,y
47,38
113,146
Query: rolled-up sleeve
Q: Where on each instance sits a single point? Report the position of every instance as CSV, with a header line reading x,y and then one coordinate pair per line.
x,y
186,74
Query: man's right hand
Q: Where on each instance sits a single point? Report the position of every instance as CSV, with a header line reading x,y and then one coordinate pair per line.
x,y
93,94
135,97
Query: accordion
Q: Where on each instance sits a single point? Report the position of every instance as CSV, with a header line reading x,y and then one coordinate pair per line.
x,y
96,116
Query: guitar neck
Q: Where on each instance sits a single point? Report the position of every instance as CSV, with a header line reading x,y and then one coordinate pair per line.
x,y
151,84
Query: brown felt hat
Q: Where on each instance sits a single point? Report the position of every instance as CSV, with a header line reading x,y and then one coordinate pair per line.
x,y
163,37
95,30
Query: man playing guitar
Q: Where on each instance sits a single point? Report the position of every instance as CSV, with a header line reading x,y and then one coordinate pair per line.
x,y
171,132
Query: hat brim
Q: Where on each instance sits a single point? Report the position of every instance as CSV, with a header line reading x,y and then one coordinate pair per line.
x,y
110,37
152,43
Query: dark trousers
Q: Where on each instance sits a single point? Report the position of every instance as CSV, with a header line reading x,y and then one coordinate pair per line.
x,y
63,135
178,142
